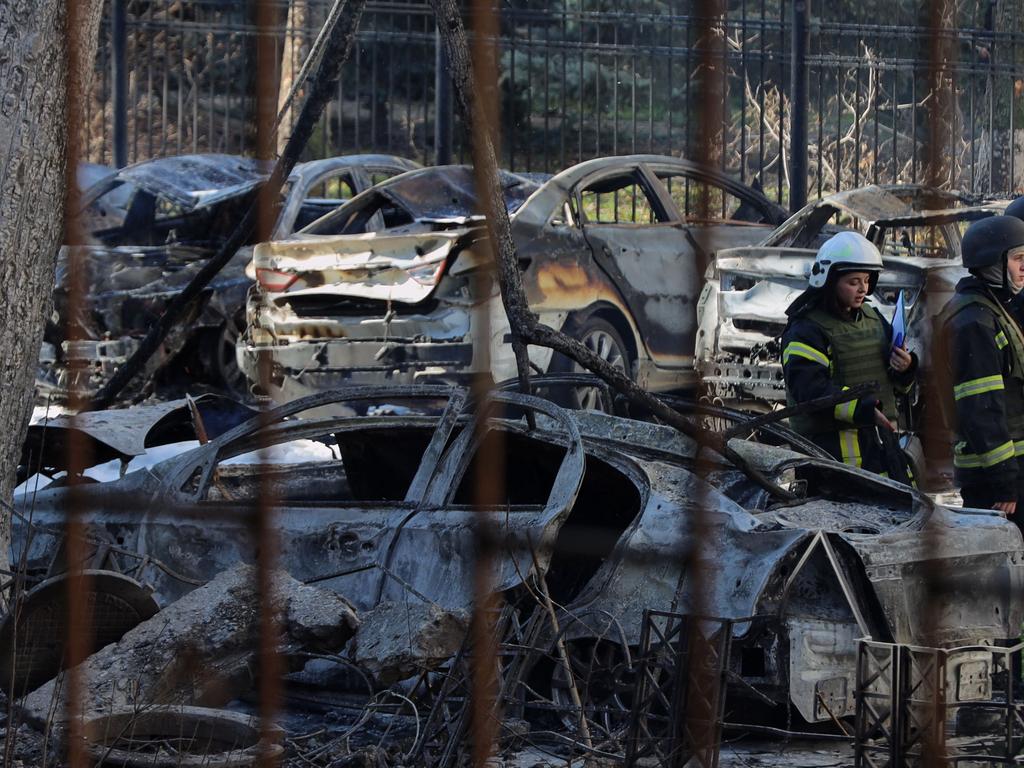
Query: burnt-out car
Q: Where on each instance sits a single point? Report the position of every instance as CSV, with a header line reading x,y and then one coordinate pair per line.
x,y
618,516
742,308
382,289
150,227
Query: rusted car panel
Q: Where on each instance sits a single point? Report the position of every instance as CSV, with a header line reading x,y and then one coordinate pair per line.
x,y
747,290
605,508
153,226
610,249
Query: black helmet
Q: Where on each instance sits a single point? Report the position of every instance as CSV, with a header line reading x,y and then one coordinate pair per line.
x,y
986,241
1016,209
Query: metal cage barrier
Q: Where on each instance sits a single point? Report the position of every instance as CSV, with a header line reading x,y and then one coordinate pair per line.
x,y
936,706
680,692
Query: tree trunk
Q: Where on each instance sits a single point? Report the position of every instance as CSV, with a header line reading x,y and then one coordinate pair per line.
x,y
293,54
34,65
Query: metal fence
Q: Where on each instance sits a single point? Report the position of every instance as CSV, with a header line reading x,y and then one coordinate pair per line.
x,y
586,78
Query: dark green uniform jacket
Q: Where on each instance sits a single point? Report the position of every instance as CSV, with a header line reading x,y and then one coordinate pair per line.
x,y
821,354
986,361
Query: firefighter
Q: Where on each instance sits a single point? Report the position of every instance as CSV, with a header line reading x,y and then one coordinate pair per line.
x,y
986,365
834,340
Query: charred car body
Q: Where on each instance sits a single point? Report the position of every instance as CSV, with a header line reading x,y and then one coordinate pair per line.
x,y
605,509
611,252
748,289
151,228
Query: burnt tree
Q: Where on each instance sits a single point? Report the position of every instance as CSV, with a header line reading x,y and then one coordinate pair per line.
x,y
42,42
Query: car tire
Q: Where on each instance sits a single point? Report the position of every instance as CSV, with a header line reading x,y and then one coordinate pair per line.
x,y
603,339
220,361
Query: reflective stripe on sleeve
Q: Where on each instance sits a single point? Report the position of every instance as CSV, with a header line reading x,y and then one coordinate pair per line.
x,y
984,460
844,411
849,447
805,351
978,387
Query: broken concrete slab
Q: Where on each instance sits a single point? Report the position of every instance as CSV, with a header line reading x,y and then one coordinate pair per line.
x,y
397,640
202,649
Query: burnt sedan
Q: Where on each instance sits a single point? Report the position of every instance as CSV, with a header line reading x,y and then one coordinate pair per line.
x,y
611,251
616,517
150,227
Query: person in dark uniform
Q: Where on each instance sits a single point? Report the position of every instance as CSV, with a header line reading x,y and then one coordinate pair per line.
x,y
834,340
986,366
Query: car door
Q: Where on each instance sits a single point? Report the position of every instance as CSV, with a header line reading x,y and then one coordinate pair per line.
x,y
639,240
716,217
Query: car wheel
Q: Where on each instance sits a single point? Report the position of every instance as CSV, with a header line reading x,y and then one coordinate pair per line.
x,y
604,340
220,361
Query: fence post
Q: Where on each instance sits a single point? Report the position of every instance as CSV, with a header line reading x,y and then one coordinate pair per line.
x,y
119,80
442,106
799,99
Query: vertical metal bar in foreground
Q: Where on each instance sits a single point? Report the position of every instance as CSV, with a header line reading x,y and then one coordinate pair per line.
x,y
938,170
694,585
79,617
264,530
119,80
442,106
490,460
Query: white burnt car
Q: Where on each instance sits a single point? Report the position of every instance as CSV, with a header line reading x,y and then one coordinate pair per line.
x,y
742,309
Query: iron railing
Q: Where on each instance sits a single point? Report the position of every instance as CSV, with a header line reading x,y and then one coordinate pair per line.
x,y
586,78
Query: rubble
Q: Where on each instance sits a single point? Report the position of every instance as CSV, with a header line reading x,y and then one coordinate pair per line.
x,y
396,640
201,649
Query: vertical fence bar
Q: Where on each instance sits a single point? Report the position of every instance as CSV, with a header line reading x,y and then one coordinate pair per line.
x,y
800,95
442,106
119,80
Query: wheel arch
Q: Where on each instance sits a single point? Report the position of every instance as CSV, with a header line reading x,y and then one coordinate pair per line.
x,y
610,314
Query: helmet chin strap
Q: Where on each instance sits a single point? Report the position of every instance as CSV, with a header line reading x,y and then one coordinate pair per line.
x,y
1014,289
998,276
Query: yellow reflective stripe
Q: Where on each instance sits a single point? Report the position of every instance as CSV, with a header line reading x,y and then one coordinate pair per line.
x,y
978,387
984,460
1018,447
1001,340
844,411
805,351
849,447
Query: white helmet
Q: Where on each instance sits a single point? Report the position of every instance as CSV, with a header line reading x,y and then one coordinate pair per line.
x,y
845,252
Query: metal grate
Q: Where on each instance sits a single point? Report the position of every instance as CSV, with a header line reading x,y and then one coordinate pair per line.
x,y
937,706
680,693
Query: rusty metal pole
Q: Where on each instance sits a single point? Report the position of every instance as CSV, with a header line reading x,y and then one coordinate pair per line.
x,y
79,616
490,461
265,531
698,719
938,173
